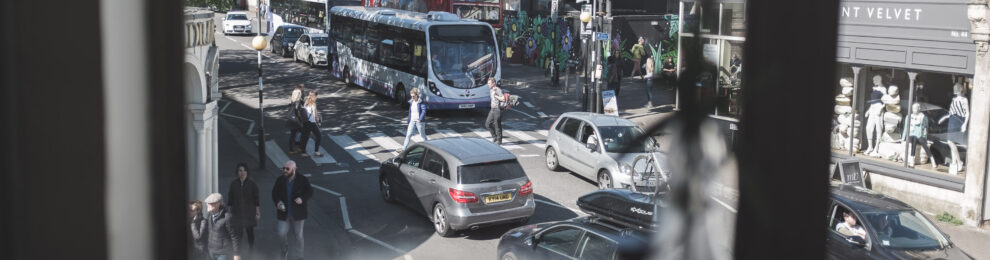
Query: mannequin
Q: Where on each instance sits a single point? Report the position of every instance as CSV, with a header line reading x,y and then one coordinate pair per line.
x,y
918,135
892,113
844,124
874,122
958,117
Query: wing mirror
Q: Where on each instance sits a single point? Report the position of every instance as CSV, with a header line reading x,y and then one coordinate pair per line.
x,y
856,241
592,147
535,239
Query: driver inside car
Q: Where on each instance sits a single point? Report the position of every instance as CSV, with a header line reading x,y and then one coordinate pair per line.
x,y
849,227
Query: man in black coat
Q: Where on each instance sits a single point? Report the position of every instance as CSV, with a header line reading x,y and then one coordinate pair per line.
x,y
290,195
244,204
223,239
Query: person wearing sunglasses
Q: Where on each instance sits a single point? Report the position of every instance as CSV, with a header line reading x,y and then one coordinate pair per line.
x,y
290,195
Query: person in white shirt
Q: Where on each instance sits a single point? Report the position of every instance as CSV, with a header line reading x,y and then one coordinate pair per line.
x,y
417,109
311,125
850,227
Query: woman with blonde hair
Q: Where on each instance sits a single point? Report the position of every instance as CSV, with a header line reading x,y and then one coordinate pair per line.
x,y
417,109
311,125
294,121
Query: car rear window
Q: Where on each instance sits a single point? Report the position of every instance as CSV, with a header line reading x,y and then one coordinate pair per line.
x,y
490,172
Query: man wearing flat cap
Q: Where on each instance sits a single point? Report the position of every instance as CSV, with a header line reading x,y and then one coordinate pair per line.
x,y
224,241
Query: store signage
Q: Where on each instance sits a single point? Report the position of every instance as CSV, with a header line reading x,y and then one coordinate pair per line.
x,y
601,36
611,103
944,16
850,173
883,13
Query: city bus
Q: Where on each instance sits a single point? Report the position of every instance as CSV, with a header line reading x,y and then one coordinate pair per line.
x,y
390,52
489,11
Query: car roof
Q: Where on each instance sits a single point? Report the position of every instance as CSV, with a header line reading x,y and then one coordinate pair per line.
x,y
287,25
469,150
863,199
599,227
237,12
316,34
600,119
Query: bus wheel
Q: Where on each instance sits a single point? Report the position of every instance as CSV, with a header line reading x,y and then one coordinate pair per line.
x,y
401,96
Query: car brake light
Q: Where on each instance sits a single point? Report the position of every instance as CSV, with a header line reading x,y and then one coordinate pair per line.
x,y
526,189
462,196
554,123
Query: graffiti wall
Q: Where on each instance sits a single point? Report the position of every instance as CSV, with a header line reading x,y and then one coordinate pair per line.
x,y
534,40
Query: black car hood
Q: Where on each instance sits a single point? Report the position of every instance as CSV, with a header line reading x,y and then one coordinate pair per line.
x,y
945,253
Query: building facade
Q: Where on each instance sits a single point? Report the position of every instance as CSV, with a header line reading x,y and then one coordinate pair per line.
x,y
202,61
911,104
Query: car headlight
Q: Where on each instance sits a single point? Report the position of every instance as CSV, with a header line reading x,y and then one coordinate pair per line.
x,y
434,89
628,170
291,44
249,26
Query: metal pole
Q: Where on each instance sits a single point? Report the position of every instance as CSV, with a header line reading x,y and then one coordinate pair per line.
x,y
261,118
907,123
855,114
257,9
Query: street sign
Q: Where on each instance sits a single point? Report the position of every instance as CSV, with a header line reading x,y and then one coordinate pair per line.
x,y
611,103
553,9
850,173
601,36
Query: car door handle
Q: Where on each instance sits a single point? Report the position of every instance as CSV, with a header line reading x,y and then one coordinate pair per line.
x,y
433,181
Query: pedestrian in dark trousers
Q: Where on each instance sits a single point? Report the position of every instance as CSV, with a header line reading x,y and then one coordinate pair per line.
x,y
197,231
311,125
223,239
649,82
294,122
244,204
290,195
614,74
494,121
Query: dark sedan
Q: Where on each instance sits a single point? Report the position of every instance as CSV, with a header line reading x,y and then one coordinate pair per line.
x,y
883,228
619,227
284,39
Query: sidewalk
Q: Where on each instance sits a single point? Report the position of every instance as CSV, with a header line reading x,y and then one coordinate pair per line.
x,y
974,241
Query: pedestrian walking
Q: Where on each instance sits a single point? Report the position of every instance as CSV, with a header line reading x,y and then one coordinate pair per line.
x,y
649,82
494,121
417,109
290,195
614,74
244,204
197,231
311,125
637,53
223,239
294,121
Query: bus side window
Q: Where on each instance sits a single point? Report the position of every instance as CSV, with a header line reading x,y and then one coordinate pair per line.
x,y
373,40
417,42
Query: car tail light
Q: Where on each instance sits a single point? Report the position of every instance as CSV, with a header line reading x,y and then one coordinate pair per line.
x,y
555,123
526,189
462,196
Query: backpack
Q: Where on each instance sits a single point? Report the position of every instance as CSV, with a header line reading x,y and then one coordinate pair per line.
x,y
295,116
510,101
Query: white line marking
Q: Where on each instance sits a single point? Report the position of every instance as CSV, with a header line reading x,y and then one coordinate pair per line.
x,y
352,147
335,92
325,159
464,122
526,138
524,113
371,168
311,80
335,172
529,155
307,175
250,127
343,211
373,106
326,190
545,133
488,135
560,206
541,114
528,104
407,257
238,117
385,142
448,133
724,204
375,114
225,106
379,242
275,153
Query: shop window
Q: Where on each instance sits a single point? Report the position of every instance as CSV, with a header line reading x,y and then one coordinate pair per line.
x,y
733,20
729,92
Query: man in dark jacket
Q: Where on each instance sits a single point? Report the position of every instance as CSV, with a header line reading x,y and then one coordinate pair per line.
x,y
244,204
290,195
223,239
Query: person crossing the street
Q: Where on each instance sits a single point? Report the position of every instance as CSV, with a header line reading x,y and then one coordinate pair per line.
x,y
294,121
311,125
417,109
291,194
494,121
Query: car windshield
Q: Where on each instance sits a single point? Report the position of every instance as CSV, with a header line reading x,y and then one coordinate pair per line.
x,y
616,136
319,41
905,230
293,32
237,17
490,172
463,56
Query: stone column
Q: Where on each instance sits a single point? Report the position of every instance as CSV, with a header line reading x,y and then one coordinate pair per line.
x,y
974,209
199,182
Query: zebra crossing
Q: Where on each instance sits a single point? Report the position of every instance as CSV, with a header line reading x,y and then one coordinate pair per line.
x,y
362,150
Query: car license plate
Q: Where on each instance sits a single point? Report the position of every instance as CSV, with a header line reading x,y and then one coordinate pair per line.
x,y
465,106
497,198
651,182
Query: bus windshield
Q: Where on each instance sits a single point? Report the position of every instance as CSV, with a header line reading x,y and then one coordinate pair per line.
x,y
463,56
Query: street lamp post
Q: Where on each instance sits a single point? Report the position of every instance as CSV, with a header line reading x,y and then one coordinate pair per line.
x,y
587,40
259,43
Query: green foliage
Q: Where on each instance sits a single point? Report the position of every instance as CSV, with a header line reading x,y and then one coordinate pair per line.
x,y
948,218
625,53
218,5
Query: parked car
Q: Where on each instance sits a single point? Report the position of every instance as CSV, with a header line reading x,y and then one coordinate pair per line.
x,y
938,135
312,49
894,230
285,38
236,22
620,226
569,147
459,183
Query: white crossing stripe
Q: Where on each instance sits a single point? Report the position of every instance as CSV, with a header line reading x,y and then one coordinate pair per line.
x,y
352,147
307,175
275,153
541,114
385,142
371,168
526,138
335,172
529,155
320,160
545,133
528,104
488,136
448,133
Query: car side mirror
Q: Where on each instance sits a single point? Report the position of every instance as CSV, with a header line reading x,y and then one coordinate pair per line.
x,y
592,147
534,240
856,241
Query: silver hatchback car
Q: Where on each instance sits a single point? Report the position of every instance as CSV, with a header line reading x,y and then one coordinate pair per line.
x,y
573,143
459,183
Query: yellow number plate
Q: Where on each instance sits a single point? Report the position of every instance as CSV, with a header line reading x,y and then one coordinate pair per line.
x,y
498,198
